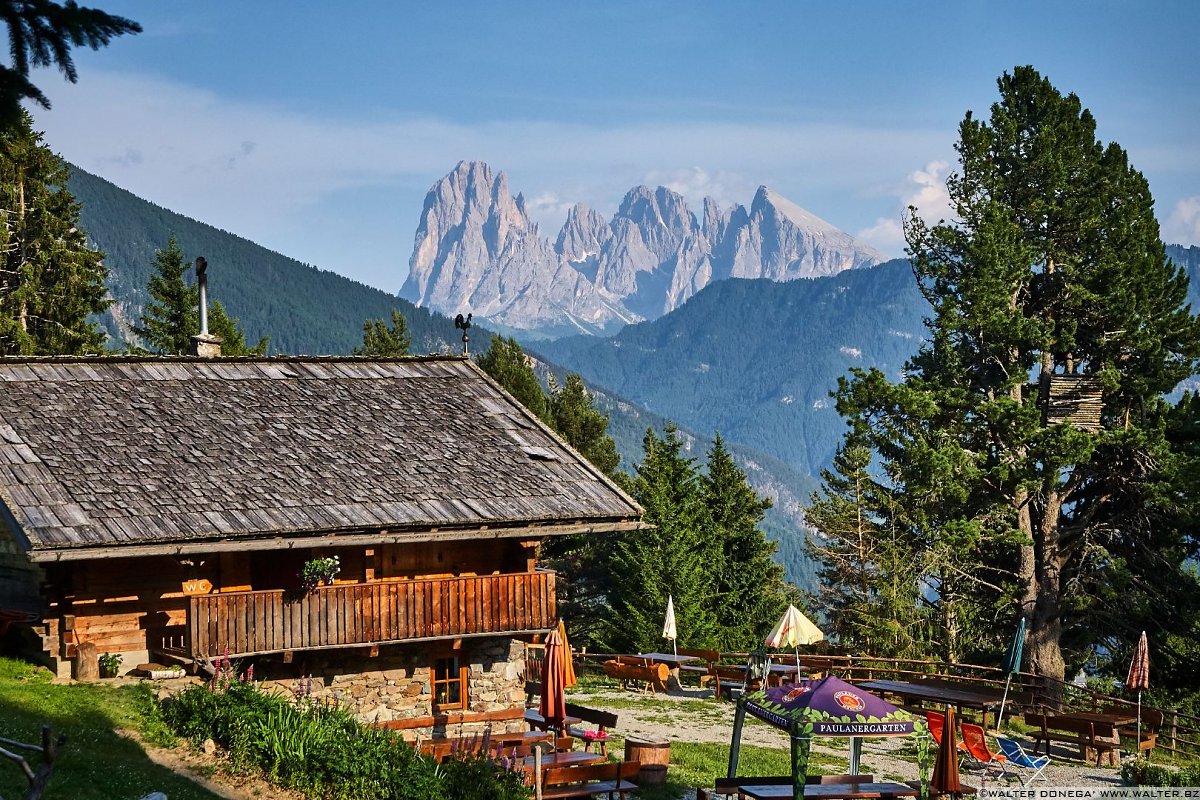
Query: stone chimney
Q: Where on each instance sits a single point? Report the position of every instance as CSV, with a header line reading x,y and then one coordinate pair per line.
x,y
206,345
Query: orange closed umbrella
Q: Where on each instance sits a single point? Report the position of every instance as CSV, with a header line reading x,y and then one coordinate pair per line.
x,y
568,662
945,769
553,706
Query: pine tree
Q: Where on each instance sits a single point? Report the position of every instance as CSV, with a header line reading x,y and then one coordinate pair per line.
x,y
575,417
507,364
41,34
172,317
750,593
51,282
675,558
581,560
233,338
1053,268
383,342
870,581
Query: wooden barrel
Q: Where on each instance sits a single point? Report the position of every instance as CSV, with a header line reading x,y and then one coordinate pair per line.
x,y
654,756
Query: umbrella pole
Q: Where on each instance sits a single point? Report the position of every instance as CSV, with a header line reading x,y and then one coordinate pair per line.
x,y
537,771
1003,700
797,651
1139,724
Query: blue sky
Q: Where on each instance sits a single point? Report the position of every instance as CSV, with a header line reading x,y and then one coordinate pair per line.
x,y
317,128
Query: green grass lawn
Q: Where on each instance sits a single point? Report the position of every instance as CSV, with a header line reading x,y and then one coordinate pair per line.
x,y
95,763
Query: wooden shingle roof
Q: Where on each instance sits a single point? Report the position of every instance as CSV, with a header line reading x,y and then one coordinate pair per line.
x,y
117,452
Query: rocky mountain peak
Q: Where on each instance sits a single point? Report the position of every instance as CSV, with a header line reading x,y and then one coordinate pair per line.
x,y
477,250
584,234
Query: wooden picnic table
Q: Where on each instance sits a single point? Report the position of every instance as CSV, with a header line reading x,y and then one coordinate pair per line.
x,y
569,758
1095,716
673,661
945,695
537,722
831,791
670,659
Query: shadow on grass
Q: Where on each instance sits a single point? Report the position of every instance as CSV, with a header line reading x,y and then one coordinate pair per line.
x,y
95,763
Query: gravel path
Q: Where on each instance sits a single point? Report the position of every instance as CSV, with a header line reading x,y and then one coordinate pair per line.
x,y
671,716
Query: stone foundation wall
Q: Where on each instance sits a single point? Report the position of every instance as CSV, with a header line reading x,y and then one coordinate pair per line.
x,y
396,685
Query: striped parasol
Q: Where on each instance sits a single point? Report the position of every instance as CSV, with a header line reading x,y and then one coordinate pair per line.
x,y
1139,676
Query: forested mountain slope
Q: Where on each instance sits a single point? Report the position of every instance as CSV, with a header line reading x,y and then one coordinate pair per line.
x,y
301,308
756,360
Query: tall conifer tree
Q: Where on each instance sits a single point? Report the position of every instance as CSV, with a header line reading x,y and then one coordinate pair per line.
x,y
675,558
506,363
1054,267
51,281
750,593
172,317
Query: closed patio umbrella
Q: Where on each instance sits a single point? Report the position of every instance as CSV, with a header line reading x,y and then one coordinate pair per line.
x,y
1139,676
669,631
569,679
945,768
793,630
553,705
1011,665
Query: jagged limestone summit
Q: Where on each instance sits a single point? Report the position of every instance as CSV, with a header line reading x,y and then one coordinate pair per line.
x,y
478,250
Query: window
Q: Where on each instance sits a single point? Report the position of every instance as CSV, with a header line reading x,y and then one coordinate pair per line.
x,y
449,684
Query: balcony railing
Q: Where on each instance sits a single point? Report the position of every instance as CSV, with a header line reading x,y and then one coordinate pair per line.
x,y
348,615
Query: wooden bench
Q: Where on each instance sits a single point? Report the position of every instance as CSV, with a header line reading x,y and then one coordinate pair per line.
x,y
601,719
704,673
648,677
1152,720
1091,737
613,779
732,676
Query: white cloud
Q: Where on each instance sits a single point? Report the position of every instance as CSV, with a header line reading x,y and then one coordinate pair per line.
x,y
853,352
925,189
1183,224
696,183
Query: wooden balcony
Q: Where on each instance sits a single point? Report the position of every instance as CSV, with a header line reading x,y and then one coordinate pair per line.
x,y
353,615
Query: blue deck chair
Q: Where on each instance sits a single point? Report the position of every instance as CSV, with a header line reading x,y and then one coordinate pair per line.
x,y
1017,757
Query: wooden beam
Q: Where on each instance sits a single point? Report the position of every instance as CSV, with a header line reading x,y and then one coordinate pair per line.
x,y
331,539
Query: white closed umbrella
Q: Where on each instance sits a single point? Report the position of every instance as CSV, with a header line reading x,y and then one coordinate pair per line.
x,y
669,631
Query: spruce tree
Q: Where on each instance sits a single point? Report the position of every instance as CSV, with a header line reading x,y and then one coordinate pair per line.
x,y
507,364
1053,267
233,338
51,281
750,593
675,558
574,416
385,342
581,560
41,33
172,317
870,581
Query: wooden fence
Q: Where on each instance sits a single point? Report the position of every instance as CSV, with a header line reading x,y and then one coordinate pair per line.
x,y
1180,732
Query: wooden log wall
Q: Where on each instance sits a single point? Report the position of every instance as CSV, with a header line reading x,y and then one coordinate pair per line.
x,y
347,615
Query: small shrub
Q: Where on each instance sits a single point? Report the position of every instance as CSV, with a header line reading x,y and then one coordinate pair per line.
x,y
322,751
